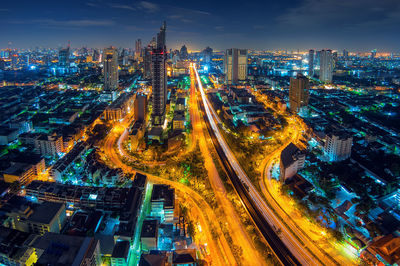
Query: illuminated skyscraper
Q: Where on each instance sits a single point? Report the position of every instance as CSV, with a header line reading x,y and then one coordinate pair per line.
x,y
345,54
235,65
207,54
184,53
298,92
138,49
96,55
14,59
159,77
63,57
326,66
147,62
311,63
110,69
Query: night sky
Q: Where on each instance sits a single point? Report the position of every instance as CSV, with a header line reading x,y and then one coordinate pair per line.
x,y
358,25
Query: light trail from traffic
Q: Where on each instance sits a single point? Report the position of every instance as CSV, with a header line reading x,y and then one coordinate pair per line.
x,y
295,247
236,229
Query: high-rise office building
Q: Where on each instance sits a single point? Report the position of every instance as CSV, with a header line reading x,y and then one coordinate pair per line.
x,y
63,57
345,54
138,49
147,62
311,63
110,69
335,59
184,55
235,65
207,54
326,66
140,107
159,78
298,92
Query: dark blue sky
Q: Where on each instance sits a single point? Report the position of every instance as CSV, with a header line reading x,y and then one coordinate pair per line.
x,y
289,24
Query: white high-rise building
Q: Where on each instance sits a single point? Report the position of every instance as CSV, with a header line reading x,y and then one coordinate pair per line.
x,y
338,146
110,69
235,65
326,66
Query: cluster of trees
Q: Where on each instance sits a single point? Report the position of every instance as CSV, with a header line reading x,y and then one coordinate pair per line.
x,y
100,131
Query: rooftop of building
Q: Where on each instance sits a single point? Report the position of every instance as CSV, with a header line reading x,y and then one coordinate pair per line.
x,y
181,101
44,212
121,249
159,259
120,100
61,249
184,256
11,241
156,131
17,169
149,228
288,154
164,193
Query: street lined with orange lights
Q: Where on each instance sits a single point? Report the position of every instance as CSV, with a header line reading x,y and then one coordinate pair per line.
x,y
302,227
238,233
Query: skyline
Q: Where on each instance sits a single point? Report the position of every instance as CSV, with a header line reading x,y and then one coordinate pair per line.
x,y
291,25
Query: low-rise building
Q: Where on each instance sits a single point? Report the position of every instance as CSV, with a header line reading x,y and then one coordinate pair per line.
x,y
36,218
63,164
49,145
8,135
136,133
384,249
15,249
184,257
163,203
20,172
119,256
178,122
180,104
149,235
154,258
58,249
120,107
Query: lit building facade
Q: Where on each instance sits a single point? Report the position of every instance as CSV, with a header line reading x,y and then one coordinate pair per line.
x,y
110,69
292,160
235,65
326,66
338,146
159,78
298,92
311,63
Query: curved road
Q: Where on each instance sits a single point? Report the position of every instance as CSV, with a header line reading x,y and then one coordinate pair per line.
x,y
219,248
